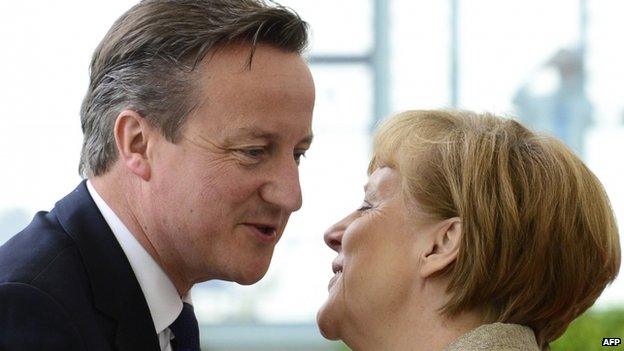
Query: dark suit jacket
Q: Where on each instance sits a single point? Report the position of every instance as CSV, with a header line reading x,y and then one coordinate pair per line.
x,y
65,284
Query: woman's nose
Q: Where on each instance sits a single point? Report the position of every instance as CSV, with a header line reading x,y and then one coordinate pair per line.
x,y
333,235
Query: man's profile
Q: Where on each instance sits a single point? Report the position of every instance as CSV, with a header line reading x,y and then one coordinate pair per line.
x,y
194,122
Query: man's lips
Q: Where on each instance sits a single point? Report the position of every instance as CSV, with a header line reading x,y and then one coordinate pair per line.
x,y
266,232
267,228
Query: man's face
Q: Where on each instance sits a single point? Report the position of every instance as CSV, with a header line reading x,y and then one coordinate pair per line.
x,y
219,199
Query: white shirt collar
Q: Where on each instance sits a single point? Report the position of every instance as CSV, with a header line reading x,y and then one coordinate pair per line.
x,y
161,295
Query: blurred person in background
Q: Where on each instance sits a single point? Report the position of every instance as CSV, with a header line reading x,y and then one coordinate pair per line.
x,y
563,110
474,234
194,122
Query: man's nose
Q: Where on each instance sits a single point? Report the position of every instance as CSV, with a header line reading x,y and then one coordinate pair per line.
x,y
283,188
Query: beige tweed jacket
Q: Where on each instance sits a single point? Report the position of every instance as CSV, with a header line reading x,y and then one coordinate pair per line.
x,y
496,336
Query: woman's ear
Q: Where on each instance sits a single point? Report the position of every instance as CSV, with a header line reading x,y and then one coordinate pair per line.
x,y
443,247
132,136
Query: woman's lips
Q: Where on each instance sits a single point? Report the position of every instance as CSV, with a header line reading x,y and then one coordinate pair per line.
x,y
337,269
333,280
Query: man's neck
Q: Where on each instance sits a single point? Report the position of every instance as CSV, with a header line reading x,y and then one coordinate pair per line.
x,y
118,196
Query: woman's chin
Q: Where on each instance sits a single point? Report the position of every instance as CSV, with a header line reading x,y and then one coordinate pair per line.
x,y
327,321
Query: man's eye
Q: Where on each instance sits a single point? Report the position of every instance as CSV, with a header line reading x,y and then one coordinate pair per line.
x,y
253,153
298,155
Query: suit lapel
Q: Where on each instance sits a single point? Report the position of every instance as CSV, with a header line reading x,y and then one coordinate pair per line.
x,y
116,291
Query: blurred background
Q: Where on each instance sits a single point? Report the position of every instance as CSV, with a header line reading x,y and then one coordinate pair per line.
x,y
555,65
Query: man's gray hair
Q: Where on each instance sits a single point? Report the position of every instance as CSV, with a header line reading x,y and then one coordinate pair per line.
x,y
146,60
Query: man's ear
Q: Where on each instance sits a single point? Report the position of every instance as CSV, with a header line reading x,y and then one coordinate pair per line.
x,y
443,247
132,133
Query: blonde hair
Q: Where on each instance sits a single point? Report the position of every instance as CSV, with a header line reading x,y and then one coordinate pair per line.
x,y
539,243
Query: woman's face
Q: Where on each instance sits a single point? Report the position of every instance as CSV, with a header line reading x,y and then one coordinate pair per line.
x,y
378,246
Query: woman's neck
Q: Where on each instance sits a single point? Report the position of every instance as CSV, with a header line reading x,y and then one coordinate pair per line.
x,y
416,327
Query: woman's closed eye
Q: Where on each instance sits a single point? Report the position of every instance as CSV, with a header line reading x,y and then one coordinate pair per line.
x,y
365,207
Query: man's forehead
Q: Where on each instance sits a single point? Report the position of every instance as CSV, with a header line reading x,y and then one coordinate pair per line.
x,y
242,59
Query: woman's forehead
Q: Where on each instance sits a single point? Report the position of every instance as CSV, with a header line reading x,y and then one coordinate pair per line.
x,y
383,181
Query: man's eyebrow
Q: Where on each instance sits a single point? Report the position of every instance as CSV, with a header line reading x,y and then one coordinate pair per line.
x,y
307,140
250,133
247,133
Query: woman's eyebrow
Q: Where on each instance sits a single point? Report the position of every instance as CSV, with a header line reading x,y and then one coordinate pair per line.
x,y
370,191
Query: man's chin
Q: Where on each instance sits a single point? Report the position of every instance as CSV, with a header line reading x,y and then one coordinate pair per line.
x,y
248,277
247,281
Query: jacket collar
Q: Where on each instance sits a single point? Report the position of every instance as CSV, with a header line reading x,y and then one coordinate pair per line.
x,y
496,336
115,289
